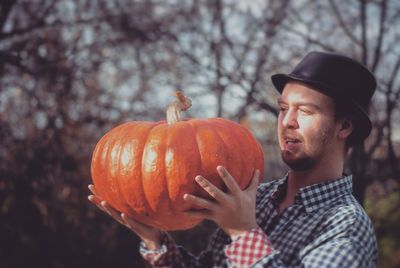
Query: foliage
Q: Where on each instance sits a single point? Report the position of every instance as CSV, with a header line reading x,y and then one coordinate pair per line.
x,y
385,215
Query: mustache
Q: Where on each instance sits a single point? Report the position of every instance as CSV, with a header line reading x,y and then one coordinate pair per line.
x,y
287,134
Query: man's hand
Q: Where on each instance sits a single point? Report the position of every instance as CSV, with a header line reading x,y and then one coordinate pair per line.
x,y
235,211
150,235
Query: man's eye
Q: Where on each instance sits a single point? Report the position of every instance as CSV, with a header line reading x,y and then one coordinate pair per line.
x,y
305,111
282,109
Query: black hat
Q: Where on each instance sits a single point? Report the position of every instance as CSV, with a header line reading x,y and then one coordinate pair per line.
x,y
342,78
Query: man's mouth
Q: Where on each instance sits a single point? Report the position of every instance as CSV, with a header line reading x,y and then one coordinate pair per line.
x,y
291,143
291,140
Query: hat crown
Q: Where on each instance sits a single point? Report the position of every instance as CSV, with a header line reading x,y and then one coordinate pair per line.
x,y
338,75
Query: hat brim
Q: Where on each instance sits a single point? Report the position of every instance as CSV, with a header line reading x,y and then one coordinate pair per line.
x,y
362,124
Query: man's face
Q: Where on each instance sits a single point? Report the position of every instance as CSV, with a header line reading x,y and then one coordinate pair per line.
x,y
306,126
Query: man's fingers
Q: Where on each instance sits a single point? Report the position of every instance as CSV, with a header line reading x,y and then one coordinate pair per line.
x,y
135,225
121,218
211,189
91,188
197,201
228,180
199,214
95,200
109,209
112,212
103,206
131,223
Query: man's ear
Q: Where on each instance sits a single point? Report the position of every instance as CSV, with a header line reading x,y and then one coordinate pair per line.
x,y
346,127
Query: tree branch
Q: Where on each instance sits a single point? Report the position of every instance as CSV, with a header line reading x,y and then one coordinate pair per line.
x,y
364,44
309,39
382,31
5,10
342,23
15,61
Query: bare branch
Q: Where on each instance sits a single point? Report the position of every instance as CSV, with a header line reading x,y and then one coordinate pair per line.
x,y
308,38
395,73
382,31
15,61
5,10
342,23
270,25
268,107
378,140
363,19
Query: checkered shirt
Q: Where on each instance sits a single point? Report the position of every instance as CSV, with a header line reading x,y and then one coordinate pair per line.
x,y
325,227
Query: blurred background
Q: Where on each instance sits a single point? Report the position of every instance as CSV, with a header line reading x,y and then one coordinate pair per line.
x,y
70,70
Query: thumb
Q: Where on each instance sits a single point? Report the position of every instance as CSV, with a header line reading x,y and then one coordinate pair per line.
x,y
254,181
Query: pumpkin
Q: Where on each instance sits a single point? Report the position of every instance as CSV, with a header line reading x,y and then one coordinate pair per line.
x,y
144,168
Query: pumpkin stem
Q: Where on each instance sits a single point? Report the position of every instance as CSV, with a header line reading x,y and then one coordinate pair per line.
x,y
174,108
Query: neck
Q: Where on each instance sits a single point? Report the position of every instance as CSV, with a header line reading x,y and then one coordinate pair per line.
x,y
325,170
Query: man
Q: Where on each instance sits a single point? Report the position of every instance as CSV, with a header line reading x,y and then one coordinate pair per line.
x,y
307,219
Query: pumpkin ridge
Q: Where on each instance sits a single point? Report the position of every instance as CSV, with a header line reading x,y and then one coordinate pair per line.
x,y
258,146
255,146
195,125
141,168
146,194
224,162
145,201
108,146
171,143
118,145
111,199
124,203
104,164
248,140
119,197
223,125
97,164
141,209
125,141
168,128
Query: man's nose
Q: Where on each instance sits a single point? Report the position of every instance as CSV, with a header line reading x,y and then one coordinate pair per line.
x,y
290,119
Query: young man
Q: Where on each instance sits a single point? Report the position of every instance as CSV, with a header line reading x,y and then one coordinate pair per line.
x,y
307,219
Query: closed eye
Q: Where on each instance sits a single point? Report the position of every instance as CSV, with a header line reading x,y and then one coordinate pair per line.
x,y
306,111
283,109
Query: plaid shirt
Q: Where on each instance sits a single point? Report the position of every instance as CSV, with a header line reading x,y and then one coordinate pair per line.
x,y
325,227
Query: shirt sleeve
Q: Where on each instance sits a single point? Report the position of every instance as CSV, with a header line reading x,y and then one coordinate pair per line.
x,y
166,256
171,255
254,249
345,240
249,248
341,252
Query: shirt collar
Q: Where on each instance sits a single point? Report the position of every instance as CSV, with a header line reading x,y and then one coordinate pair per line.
x,y
279,189
321,194
317,195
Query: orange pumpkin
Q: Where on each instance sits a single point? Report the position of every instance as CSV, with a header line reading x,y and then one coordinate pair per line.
x,y
144,168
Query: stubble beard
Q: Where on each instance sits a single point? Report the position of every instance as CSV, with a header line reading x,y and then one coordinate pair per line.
x,y
302,163
306,161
